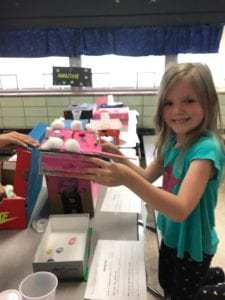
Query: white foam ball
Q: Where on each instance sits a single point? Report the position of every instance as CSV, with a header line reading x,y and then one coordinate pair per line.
x,y
57,124
108,139
54,142
72,145
44,146
76,125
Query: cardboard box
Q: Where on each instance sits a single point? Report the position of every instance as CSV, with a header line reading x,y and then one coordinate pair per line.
x,y
13,210
64,247
121,113
13,213
62,164
22,173
111,128
7,171
67,193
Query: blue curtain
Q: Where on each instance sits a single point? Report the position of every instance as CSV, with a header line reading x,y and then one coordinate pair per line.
x,y
131,41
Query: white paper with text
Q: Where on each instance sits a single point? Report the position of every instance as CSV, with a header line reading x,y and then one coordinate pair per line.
x,y
117,271
121,199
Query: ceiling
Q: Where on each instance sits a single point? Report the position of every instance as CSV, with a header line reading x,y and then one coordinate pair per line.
x,y
95,13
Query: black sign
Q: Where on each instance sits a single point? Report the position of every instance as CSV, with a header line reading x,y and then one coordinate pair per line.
x,y
72,76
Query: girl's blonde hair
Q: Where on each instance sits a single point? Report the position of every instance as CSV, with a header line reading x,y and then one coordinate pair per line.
x,y
200,77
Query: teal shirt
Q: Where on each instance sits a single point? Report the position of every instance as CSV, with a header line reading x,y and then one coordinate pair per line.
x,y
196,234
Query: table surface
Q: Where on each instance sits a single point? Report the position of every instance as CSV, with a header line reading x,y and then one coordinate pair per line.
x,y
19,246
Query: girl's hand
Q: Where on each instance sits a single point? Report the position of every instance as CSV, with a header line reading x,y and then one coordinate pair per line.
x,y
15,139
111,148
106,173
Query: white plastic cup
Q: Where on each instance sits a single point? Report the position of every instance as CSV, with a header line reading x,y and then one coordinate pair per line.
x,y
39,286
10,295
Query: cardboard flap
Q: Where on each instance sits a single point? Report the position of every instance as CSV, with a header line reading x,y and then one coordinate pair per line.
x,y
34,178
22,172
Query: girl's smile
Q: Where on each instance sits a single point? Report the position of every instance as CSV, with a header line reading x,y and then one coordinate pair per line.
x,y
182,109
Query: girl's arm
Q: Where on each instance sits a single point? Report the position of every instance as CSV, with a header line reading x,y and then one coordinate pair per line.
x,y
176,207
150,173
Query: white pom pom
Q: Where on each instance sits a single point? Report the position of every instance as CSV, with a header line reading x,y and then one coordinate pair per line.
x,y
108,139
76,125
44,146
54,142
57,124
91,127
72,145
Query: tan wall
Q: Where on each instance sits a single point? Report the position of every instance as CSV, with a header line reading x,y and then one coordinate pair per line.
x,y
27,111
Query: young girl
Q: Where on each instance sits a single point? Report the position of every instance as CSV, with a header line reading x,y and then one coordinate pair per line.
x,y
190,157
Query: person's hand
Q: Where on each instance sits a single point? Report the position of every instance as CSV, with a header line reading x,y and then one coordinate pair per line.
x,y
106,173
111,148
15,139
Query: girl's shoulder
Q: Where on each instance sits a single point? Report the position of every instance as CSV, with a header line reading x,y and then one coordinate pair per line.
x,y
208,140
207,146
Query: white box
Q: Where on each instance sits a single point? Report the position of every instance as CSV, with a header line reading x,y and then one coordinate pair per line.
x,y
64,247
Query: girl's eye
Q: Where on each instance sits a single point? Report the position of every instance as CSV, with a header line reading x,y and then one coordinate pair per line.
x,y
167,103
189,100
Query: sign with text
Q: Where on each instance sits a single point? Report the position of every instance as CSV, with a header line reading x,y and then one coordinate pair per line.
x,y
73,76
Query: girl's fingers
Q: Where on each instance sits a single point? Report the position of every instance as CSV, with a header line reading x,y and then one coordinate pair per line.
x,y
103,174
95,172
98,161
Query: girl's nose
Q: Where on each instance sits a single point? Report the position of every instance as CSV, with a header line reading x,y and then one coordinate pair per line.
x,y
177,108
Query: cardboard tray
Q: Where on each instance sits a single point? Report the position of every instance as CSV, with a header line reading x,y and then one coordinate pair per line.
x,y
64,247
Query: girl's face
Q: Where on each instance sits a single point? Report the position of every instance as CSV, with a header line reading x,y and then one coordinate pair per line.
x,y
182,110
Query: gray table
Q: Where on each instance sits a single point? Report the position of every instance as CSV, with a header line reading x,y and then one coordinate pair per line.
x,y
17,248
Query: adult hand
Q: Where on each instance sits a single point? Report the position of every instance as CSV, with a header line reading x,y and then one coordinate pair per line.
x,y
15,139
